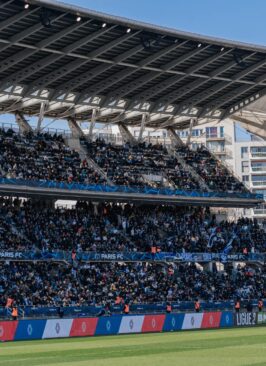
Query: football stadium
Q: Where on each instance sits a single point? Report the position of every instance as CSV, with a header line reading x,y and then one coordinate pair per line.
x,y
134,231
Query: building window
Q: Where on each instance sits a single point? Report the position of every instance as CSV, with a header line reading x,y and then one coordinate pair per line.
x,y
245,166
258,166
222,131
245,178
244,152
258,151
211,132
215,146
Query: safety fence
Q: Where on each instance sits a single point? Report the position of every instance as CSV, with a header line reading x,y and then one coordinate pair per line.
x,y
66,256
124,324
143,308
125,189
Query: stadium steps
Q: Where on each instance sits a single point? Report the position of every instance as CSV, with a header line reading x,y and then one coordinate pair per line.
x,y
193,173
84,155
226,166
75,144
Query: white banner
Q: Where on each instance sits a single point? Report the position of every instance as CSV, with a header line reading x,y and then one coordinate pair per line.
x,y
57,328
192,321
131,324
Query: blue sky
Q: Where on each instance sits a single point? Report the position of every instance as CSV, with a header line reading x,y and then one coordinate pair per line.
x,y
241,20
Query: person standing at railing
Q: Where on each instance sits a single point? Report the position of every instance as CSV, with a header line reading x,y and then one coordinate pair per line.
x,y
168,307
126,309
237,306
14,313
260,305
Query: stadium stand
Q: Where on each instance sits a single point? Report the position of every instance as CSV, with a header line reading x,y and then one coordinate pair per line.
x,y
42,156
66,63
211,170
49,284
124,228
46,157
140,164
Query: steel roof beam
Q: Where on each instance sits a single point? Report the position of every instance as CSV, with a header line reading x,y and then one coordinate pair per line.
x,y
53,106
23,104
124,73
171,97
128,88
38,65
14,59
88,75
219,102
76,110
15,18
44,81
244,103
96,89
158,88
21,35
6,97
3,4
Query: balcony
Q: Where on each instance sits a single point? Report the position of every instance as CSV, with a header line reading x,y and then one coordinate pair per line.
x,y
258,183
258,155
258,169
261,212
215,137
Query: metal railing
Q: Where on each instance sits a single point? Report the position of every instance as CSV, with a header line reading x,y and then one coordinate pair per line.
x,y
259,183
52,131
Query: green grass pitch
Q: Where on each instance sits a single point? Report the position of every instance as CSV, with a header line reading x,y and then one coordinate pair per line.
x,y
227,347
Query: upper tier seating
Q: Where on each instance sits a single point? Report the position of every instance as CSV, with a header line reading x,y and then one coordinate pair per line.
x,y
42,157
215,174
140,165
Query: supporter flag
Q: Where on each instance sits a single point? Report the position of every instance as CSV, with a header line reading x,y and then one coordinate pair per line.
x,y
227,249
211,238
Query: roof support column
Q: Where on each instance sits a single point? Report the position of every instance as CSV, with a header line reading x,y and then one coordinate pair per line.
x,y
92,124
126,134
175,139
144,119
22,122
75,128
192,123
41,116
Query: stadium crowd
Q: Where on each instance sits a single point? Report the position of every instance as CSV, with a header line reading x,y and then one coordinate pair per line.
x,y
53,284
139,165
123,228
43,156
214,173
40,157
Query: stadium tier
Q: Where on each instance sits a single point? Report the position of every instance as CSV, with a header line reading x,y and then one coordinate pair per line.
x,y
38,157
142,236
50,284
106,228
45,160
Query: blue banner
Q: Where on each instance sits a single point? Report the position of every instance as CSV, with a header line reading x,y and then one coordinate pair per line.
x,y
173,322
30,329
227,319
129,256
108,325
125,189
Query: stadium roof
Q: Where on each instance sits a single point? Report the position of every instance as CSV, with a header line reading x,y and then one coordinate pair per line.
x,y
62,61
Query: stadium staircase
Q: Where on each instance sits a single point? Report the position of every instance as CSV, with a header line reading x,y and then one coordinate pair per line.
x,y
84,155
193,173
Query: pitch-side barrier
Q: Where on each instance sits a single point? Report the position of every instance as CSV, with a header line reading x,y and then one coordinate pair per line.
x,y
124,324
